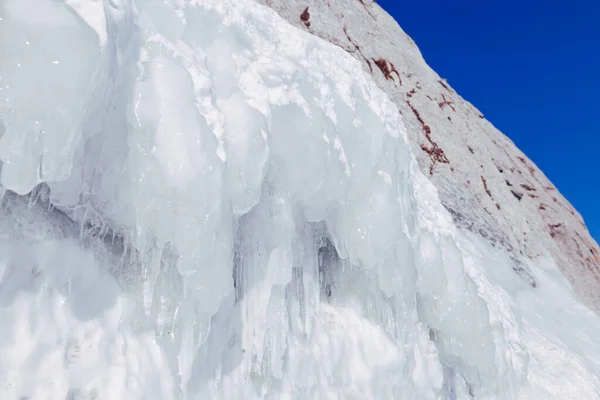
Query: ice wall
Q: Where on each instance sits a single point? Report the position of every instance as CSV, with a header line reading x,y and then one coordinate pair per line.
x,y
252,193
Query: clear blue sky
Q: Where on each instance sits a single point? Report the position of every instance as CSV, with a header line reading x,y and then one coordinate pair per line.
x,y
533,68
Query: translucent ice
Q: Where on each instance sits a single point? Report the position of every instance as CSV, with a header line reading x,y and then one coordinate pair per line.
x,y
203,202
48,71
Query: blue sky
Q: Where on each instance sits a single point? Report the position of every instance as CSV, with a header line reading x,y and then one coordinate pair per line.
x,y
533,68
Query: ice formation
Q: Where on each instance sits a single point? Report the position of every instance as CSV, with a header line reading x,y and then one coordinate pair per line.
x,y
201,201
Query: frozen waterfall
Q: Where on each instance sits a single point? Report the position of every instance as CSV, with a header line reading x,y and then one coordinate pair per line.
x,y
202,202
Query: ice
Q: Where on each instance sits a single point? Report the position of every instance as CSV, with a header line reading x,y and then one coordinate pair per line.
x,y
203,202
47,70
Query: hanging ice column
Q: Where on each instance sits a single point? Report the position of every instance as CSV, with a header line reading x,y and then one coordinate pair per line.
x,y
283,238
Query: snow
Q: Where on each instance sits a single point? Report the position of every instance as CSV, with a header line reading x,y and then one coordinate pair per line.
x,y
204,202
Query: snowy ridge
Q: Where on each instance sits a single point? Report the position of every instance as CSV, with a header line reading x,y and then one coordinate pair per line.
x,y
218,205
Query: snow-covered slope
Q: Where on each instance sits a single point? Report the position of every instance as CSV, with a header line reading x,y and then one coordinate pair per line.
x,y
202,201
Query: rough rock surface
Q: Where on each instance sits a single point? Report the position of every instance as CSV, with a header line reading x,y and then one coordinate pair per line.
x,y
488,185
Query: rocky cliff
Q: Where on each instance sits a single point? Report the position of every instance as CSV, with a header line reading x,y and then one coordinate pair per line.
x,y
488,185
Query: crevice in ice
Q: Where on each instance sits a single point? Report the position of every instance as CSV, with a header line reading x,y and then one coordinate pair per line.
x,y
328,264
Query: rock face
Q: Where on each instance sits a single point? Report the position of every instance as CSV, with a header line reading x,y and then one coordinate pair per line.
x,y
488,185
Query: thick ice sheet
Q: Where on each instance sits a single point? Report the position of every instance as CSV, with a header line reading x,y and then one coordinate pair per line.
x,y
225,207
